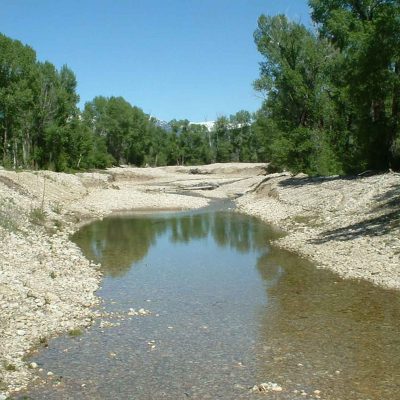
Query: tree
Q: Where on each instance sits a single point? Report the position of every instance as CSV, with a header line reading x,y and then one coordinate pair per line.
x,y
297,108
366,33
17,75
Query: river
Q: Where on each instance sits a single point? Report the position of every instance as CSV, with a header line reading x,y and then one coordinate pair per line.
x,y
226,311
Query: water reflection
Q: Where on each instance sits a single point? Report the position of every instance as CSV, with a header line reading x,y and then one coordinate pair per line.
x,y
120,242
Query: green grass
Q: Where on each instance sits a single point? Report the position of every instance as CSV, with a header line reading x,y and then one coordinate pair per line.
x,y
8,214
75,332
37,216
10,367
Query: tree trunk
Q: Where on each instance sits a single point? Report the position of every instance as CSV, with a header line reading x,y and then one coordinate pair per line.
x,y
5,144
15,154
395,113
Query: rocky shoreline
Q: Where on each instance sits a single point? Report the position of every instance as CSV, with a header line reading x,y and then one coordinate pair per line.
x,y
348,225
47,287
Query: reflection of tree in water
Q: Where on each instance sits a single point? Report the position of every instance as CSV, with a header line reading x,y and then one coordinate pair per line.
x,y
328,324
185,228
118,242
241,232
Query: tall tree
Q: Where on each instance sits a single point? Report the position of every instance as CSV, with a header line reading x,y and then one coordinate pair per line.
x,y
293,77
366,32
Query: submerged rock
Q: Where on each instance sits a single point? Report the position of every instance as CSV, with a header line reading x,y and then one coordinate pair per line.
x,y
266,388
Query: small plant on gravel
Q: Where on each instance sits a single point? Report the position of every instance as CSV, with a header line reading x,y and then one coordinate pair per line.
x,y
53,275
10,367
8,210
57,224
75,332
37,216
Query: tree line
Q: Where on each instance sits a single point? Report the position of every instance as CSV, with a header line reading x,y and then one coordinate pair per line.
x,y
331,104
41,125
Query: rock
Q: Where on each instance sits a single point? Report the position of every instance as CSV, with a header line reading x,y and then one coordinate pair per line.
x,y
266,388
33,365
21,332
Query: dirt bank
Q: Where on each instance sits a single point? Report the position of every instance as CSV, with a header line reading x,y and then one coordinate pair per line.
x,y
47,287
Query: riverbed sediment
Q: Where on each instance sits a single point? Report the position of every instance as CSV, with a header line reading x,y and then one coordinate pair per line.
x,y
47,287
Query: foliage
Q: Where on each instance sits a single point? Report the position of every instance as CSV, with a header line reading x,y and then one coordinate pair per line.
x,y
332,101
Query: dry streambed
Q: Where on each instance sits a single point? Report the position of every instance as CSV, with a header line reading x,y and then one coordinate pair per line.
x,y
48,287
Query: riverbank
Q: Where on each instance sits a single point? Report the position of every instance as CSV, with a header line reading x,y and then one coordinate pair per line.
x,y
348,225
47,287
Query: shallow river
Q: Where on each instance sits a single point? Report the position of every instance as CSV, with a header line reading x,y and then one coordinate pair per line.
x,y
228,311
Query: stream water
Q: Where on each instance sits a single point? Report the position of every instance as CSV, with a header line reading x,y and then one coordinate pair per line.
x,y
228,311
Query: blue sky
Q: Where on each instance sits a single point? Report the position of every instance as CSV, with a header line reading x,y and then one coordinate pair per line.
x,y
193,59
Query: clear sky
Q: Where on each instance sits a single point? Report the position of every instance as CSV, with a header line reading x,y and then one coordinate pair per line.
x,y
193,59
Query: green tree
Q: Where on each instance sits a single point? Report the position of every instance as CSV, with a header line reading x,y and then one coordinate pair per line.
x,y
222,140
297,109
366,33
17,75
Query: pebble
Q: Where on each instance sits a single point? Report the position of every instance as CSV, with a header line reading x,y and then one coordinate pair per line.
x,y
266,387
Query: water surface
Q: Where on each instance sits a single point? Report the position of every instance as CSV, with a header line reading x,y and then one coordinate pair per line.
x,y
228,311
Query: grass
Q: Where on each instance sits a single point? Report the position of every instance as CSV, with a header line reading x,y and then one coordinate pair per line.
x,y
75,332
8,214
58,224
10,367
37,216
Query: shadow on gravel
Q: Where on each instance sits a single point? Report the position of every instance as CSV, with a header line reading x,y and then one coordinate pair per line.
x,y
307,180
388,221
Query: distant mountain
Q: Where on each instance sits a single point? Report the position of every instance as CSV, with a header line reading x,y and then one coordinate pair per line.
x,y
163,124
167,127
208,124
